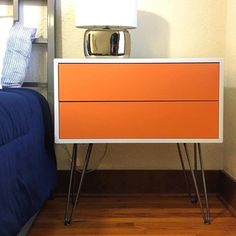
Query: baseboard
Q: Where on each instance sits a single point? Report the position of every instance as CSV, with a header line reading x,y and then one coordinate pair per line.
x,y
227,191
150,182
136,182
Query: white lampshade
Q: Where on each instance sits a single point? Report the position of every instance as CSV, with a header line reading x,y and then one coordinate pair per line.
x,y
111,13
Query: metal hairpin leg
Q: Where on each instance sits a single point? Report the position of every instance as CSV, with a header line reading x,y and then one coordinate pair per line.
x,y
197,153
184,172
69,216
195,199
73,180
72,170
208,216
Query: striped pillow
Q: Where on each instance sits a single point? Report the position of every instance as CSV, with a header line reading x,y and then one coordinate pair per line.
x,y
17,56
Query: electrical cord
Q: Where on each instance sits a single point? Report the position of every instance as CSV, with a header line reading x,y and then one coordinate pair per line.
x,y
100,159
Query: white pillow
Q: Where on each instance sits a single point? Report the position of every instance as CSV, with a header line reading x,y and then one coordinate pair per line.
x,y
17,55
5,27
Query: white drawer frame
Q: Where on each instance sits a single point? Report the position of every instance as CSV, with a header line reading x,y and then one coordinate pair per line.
x,y
139,60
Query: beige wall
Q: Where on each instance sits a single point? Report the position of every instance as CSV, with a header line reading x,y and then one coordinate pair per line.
x,y
166,28
5,8
230,91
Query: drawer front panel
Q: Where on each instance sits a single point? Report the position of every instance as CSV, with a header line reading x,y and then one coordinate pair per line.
x,y
142,82
138,120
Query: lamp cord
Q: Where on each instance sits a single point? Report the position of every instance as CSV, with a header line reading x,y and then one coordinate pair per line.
x,y
100,159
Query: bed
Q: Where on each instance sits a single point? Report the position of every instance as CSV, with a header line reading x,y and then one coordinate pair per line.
x,y
28,174
27,159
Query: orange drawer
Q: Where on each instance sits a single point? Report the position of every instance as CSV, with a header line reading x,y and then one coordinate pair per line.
x,y
138,120
138,82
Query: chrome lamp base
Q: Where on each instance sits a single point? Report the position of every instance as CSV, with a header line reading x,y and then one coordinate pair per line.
x,y
107,42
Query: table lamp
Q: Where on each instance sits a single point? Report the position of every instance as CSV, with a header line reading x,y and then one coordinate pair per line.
x,y
107,23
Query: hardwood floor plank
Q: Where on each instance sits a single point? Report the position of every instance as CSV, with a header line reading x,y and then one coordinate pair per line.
x,y
134,216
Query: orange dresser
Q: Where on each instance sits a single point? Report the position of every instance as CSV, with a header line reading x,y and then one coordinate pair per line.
x,y
138,100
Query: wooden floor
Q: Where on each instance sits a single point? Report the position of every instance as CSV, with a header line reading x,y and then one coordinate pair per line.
x,y
134,216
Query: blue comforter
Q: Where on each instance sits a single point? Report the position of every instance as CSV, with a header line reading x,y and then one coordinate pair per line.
x,y
27,159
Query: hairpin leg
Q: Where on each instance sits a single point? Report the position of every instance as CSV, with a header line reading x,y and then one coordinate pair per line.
x,y
185,174
194,198
208,217
72,169
194,180
197,153
68,217
73,184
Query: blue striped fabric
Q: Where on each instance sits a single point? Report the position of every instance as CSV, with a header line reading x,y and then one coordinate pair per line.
x,y
17,55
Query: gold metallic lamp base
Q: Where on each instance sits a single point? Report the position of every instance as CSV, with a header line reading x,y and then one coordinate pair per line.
x,y
107,42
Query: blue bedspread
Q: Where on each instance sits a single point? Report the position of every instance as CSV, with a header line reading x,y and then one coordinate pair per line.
x,y
27,159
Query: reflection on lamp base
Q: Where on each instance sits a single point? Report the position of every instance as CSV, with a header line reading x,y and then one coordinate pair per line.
x,y
107,42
